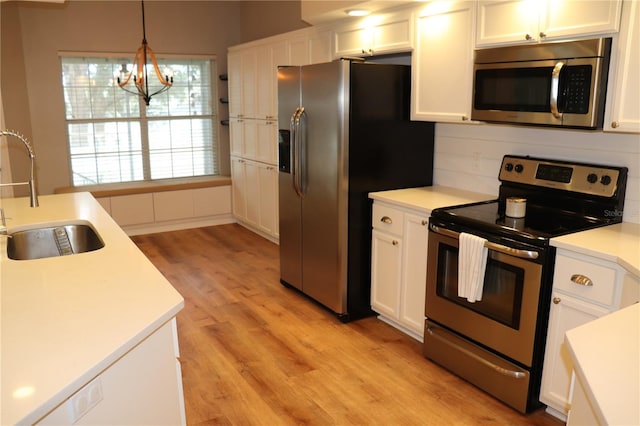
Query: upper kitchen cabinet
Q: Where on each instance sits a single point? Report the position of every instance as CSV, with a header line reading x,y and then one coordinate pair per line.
x,y
375,35
311,46
442,63
623,103
531,21
242,70
268,59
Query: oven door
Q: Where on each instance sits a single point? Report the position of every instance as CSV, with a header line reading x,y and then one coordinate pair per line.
x,y
505,318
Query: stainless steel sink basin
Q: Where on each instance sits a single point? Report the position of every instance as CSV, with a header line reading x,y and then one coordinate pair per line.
x,y
53,241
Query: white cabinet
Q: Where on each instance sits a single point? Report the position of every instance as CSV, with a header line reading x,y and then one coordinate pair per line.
x,y
142,387
584,288
255,195
442,63
375,35
399,267
313,46
623,103
527,21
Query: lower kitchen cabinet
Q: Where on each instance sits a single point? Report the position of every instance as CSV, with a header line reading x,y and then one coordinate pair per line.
x,y
142,387
584,289
255,195
399,267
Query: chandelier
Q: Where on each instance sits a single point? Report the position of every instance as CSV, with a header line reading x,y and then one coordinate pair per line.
x,y
140,69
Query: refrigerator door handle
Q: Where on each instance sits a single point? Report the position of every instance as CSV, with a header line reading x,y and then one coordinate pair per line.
x,y
302,151
297,153
293,150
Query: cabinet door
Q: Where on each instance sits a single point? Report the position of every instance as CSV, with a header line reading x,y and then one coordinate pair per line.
x,y
353,41
320,47
234,72
252,193
566,313
299,51
236,136
267,141
268,58
414,272
250,138
507,21
442,64
623,103
249,66
238,184
563,19
386,261
268,193
393,36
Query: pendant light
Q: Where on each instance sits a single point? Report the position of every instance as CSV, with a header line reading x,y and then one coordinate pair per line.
x,y
138,76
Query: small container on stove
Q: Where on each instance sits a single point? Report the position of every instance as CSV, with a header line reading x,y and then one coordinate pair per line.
x,y
516,207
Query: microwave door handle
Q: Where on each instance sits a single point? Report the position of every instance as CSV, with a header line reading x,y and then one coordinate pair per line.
x,y
555,88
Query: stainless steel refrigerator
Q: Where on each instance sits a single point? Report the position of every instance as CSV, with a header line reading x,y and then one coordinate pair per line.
x,y
344,131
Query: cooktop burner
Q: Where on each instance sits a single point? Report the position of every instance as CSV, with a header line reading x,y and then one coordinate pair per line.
x,y
539,222
560,198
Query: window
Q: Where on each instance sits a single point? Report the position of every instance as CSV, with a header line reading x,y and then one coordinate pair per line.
x,y
114,137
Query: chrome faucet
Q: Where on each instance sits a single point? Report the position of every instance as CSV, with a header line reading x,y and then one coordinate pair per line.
x,y
32,182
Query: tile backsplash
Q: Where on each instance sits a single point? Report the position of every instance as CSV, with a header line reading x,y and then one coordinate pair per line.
x,y
468,156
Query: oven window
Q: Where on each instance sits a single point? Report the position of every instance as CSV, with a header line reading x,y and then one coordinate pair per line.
x,y
502,290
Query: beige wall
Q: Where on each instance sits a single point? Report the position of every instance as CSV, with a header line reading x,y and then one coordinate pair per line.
x,y
33,33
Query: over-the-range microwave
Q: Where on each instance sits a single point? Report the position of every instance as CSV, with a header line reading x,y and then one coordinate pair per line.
x,y
551,84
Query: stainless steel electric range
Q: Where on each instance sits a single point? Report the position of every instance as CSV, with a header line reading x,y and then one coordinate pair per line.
x,y
497,342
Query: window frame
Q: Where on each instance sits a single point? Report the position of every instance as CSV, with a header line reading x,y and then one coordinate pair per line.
x,y
144,119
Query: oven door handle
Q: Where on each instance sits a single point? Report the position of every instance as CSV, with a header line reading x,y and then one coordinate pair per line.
x,y
524,254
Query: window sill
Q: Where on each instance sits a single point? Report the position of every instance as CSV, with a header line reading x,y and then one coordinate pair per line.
x,y
111,190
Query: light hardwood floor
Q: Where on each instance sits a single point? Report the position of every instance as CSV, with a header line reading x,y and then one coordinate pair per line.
x,y
256,353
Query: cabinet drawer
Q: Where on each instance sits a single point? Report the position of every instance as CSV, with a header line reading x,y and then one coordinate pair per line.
x,y
603,279
387,219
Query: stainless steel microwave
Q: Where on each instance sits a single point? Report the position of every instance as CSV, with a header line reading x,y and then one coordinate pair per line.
x,y
551,84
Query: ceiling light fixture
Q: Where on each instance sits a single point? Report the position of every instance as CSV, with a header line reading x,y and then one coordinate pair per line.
x,y
139,70
357,12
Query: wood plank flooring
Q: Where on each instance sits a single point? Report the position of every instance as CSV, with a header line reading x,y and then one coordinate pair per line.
x,y
256,353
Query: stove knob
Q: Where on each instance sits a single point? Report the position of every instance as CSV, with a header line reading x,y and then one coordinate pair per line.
x,y
519,168
605,180
508,167
592,178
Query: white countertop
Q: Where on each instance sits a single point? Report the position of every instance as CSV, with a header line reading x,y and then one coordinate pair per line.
x,y
65,319
619,243
606,354
429,197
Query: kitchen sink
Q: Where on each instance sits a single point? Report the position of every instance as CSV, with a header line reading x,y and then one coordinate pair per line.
x,y
53,241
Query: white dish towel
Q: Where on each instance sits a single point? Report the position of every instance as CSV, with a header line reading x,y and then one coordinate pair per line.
x,y
472,263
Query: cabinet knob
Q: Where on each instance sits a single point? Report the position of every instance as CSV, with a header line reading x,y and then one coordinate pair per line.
x,y
542,35
614,124
465,118
527,37
423,222
556,300
386,219
394,242
581,280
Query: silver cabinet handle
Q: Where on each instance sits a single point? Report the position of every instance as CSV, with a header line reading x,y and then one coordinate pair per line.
x,y
555,87
386,219
581,280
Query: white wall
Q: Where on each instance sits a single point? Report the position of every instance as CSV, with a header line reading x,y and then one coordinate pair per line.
x,y
469,156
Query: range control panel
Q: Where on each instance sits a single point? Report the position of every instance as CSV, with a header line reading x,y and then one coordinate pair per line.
x,y
584,178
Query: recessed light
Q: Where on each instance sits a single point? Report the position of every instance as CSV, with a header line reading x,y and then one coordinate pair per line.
x,y
357,12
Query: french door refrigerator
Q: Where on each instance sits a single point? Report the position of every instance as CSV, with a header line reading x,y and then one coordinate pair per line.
x,y
344,131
